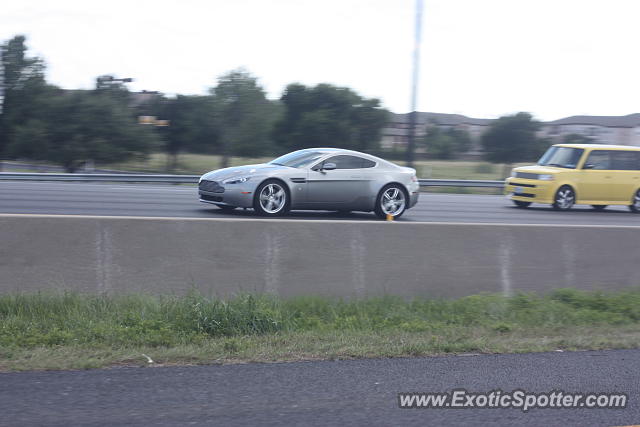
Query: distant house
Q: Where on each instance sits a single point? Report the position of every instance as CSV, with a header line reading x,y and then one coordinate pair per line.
x,y
620,130
396,133
138,99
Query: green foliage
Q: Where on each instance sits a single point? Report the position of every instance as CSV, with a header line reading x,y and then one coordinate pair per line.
x,y
328,116
78,127
192,126
513,139
445,144
484,168
70,128
75,319
244,115
25,89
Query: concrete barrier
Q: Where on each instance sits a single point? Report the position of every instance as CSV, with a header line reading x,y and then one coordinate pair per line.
x,y
290,258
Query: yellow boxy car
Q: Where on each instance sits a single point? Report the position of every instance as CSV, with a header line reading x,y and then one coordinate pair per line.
x,y
586,174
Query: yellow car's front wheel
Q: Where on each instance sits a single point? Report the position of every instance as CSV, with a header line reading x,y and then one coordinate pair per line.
x,y
635,203
564,199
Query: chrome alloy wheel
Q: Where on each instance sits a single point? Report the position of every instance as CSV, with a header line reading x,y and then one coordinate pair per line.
x,y
565,198
393,201
273,198
635,205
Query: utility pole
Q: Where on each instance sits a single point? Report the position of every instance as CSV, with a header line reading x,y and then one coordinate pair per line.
x,y
1,81
411,143
1,102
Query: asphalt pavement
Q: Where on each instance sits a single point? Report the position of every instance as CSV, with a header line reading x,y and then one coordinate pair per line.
x,y
182,201
327,393
357,392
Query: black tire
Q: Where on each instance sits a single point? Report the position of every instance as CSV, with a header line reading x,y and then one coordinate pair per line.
x,y
599,207
521,204
226,208
635,203
564,198
283,206
381,211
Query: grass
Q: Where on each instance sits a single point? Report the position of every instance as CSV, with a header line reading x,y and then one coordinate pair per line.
x,y
75,331
187,163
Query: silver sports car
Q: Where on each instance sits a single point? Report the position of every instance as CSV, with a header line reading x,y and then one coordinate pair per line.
x,y
314,179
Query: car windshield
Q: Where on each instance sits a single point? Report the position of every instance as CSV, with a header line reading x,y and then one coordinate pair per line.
x,y
562,157
297,159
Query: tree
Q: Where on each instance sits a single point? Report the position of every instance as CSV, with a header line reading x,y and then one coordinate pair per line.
x,y
244,116
81,126
191,124
445,144
328,116
512,139
25,89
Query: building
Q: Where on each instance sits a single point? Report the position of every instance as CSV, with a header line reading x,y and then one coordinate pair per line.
x,y
618,130
396,134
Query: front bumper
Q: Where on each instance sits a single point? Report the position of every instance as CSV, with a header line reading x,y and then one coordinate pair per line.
x,y
238,195
529,190
413,199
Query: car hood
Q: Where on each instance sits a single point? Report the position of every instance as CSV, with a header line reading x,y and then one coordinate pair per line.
x,y
542,170
247,170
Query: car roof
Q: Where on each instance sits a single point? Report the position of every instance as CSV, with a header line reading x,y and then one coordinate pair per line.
x,y
328,150
599,146
331,150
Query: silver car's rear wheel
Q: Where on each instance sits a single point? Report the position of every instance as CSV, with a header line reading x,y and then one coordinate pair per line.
x,y
392,200
272,199
635,203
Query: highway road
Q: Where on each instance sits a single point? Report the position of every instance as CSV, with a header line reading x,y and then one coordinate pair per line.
x,y
181,201
321,393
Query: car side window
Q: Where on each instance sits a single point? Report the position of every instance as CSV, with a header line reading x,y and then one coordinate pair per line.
x,y
599,160
368,163
625,160
350,162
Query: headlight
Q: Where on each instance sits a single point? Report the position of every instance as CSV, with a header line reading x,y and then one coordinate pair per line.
x,y
236,180
545,177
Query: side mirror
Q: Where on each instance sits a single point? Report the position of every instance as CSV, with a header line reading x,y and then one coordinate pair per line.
x,y
588,166
328,166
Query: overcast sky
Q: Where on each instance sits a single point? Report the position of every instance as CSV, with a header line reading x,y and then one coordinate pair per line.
x,y
481,58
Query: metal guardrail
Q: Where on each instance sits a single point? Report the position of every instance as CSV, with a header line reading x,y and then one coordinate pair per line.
x,y
193,179
99,177
460,183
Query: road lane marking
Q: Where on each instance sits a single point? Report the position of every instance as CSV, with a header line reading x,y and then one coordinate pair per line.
x,y
320,221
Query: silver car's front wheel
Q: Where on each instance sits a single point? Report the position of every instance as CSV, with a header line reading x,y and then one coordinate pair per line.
x,y
392,200
272,199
